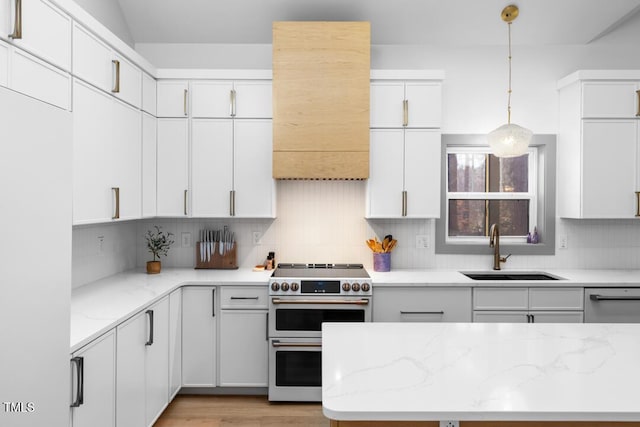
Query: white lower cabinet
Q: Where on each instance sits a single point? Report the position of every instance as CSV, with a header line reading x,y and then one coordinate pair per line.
x,y
528,305
243,337
175,342
421,304
142,381
199,325
93,383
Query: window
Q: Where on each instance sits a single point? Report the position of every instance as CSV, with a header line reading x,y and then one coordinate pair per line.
x,y
479,189
483,189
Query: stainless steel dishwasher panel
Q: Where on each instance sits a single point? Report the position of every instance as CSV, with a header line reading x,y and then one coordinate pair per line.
x,y
612,305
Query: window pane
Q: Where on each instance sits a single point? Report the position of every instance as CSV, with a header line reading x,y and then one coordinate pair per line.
x,y
466,217
466,172
509,174
512,216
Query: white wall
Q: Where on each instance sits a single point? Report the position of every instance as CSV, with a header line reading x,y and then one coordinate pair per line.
x,y
109,13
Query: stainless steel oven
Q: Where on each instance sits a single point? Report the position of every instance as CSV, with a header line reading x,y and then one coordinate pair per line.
x,y
303,297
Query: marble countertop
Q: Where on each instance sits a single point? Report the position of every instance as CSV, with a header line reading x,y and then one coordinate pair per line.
x,y
481,371
101,305
591,278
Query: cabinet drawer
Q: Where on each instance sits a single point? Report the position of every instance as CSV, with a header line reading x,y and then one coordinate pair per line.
x,y
500,316
422,305
501,299
556,299
243,297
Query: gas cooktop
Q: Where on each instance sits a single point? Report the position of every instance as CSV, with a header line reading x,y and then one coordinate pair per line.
x,y
320,270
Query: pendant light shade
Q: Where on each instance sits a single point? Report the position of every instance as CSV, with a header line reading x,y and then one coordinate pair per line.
x,y
509,140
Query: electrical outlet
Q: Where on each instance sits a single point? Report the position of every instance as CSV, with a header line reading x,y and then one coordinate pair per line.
x,y
563,242
422,241
100,244
449,424
186,239
257,238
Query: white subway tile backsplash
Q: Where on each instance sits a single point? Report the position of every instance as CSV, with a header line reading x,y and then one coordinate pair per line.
x,y
323,221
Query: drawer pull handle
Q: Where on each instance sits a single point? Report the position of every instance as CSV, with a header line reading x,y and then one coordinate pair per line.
x,y
79,400
597,297
244,298
17,26
116,192
422,312
116,85
149,313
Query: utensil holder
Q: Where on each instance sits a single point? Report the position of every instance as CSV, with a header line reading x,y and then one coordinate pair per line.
x,y
226,261
382,261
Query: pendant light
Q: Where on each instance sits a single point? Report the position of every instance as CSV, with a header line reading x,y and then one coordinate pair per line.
x,y
509,140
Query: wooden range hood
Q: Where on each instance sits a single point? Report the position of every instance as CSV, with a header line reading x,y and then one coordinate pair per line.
x,y
321,100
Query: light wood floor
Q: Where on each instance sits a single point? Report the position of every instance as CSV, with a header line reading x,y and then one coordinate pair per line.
x,y
239,411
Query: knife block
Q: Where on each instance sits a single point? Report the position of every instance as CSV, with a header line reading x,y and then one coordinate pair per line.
x,y
228,261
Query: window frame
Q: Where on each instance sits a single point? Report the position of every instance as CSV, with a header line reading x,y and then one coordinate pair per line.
x,y
531,195
545,183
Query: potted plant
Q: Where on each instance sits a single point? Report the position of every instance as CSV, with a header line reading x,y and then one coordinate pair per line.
x,y
158,244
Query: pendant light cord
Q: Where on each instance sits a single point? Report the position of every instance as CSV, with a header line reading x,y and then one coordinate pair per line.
x,y
509,91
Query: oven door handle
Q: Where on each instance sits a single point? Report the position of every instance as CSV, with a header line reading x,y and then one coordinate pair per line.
x,y
278,343
598,297
362,301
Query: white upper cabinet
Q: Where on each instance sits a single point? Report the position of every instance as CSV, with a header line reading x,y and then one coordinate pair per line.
x,y
599,145
97,63
229,99
172,167
412,104
611,99
149,94
172,98
38,27
4,64
149,167
405,174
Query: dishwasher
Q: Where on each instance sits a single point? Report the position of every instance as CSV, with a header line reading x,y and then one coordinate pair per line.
x,y
612,305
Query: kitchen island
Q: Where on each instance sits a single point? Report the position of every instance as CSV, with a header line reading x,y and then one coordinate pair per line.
x,y
481,374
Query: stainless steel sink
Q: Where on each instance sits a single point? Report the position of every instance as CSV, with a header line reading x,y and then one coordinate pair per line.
x,y
511,275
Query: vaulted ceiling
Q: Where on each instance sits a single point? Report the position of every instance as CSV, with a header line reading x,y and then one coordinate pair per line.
x,y
441,22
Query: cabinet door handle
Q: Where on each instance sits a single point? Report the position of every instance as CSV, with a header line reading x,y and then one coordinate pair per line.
x,y
404,203
405,112
186,192
232,103
637,203
266,332
213,302
638,112
79,400
184,101
116,193
232,203
116,84
533,318
17,25
149,314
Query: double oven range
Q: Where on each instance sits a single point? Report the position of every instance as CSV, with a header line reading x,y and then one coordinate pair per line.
x,y
301,298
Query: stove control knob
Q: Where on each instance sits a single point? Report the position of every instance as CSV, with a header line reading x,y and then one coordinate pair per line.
x,y
346,287
355,287
295,287
365,287
275,286
285,286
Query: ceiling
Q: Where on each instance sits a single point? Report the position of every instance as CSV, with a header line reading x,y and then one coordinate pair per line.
x,y
441,22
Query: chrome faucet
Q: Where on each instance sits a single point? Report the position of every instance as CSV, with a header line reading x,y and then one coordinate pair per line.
x,y
494,242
